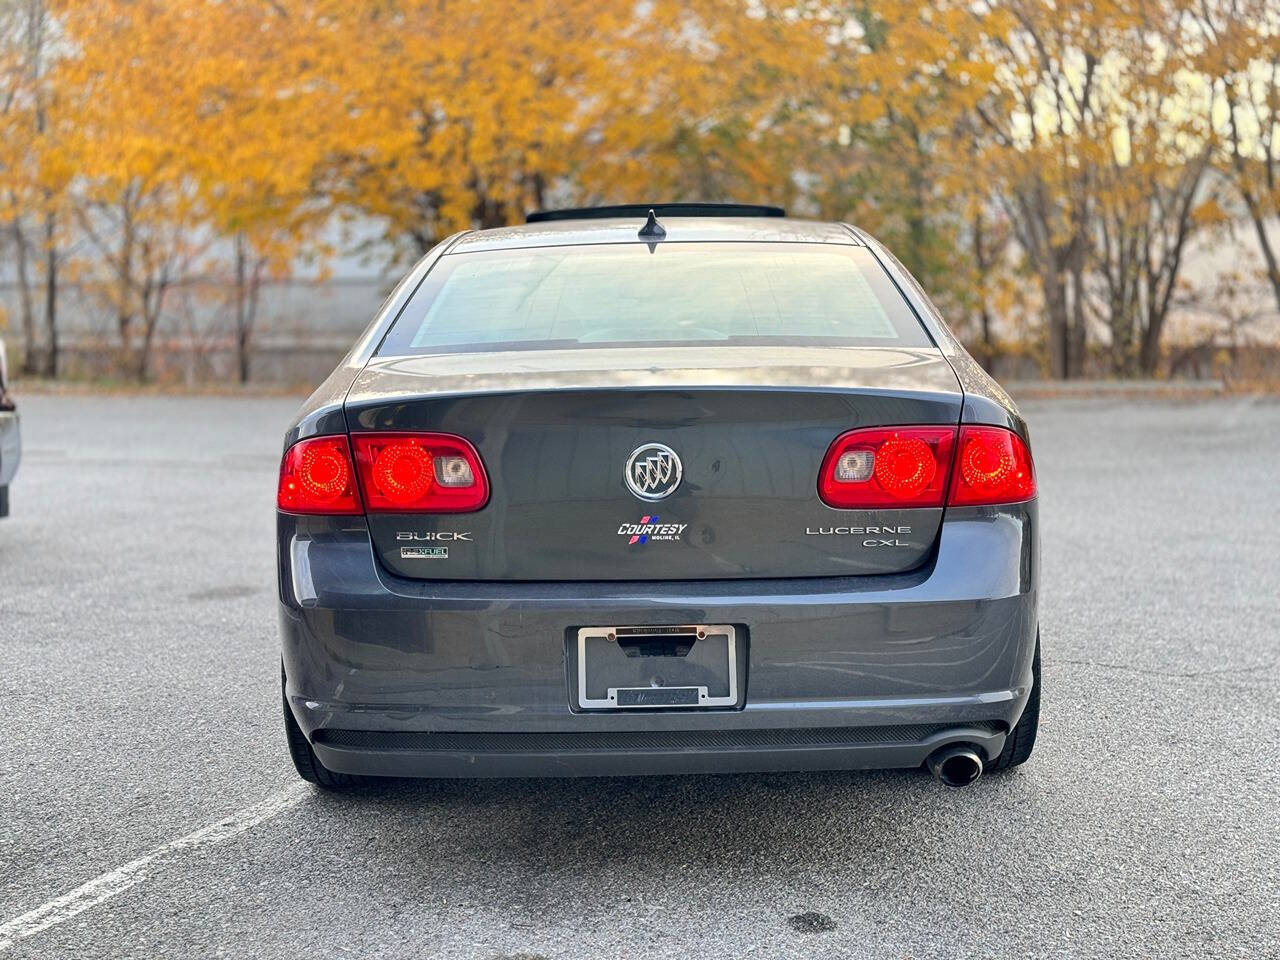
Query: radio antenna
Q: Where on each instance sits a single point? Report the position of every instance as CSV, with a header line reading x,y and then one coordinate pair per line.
x,y
652,231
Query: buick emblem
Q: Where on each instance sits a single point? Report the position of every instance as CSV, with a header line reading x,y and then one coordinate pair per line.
x,y
653,471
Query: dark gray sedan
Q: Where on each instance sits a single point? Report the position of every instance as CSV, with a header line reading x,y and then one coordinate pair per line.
x,y
634,491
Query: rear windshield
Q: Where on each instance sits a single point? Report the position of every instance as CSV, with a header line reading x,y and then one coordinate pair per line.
x,y
681,293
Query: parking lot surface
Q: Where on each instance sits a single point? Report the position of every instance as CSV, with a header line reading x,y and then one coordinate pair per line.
x,y
148,808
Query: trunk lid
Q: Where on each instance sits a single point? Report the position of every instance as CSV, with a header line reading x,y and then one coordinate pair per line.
x,y
750,426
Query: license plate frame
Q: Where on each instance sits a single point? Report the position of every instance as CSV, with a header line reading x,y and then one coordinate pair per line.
x,y
717,691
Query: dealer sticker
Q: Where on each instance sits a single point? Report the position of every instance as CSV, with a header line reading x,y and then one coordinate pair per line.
x,y
424,553
649,529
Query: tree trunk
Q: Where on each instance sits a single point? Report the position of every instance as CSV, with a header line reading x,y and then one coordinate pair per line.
x,y
124,293
152,302
1076,327
1149,355
1162,277
983,268
917,228
1251,200
51,297
143,369
1268,251
988,346
30,356
1055,304
246,306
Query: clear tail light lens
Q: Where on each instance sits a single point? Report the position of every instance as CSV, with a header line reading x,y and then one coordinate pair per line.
x,y
419,473
993,466
887,467
317,476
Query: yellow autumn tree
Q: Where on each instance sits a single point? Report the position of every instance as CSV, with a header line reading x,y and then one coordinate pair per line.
x,y
179,153
134,197
472,113
1239,62
1026,150
427,117
35,170
1151,191
1091,143
259,102
900,150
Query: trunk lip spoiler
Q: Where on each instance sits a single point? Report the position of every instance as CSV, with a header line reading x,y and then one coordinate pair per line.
x,y
454,375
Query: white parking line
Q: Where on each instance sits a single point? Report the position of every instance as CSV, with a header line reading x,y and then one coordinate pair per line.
x,y
122,878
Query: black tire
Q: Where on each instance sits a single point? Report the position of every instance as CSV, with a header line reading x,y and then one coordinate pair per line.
x,y
304,758
1022,738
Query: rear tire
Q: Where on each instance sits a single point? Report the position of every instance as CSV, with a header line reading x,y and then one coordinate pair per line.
x,y
1022,738
304,758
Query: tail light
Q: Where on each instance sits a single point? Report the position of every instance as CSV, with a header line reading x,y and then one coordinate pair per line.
x,y
316,476
887,467
419,473
993,466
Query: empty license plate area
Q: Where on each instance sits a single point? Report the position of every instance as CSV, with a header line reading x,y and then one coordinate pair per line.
x,y
689,665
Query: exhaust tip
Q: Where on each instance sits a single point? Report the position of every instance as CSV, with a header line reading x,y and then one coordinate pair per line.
x,y
956,766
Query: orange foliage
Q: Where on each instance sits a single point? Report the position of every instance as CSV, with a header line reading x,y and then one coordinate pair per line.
x,y
991,144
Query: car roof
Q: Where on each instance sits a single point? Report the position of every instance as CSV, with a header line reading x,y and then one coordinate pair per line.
x,y
559,233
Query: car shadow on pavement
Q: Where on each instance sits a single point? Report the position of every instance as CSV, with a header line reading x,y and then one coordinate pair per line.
x,y
750,817
539,861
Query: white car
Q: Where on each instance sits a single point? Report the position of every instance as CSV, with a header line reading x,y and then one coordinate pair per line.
x,y
10,436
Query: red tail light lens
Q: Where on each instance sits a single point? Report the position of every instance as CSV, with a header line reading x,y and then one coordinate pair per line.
x,y
419,473
887,467
316,476
994,466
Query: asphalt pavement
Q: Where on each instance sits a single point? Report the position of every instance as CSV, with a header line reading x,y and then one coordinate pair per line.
x,y
148,808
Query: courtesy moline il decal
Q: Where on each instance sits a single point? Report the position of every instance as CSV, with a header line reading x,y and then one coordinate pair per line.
x,y
650,529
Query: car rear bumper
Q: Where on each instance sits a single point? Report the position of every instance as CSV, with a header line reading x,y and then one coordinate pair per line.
x,y
650,752
426,678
